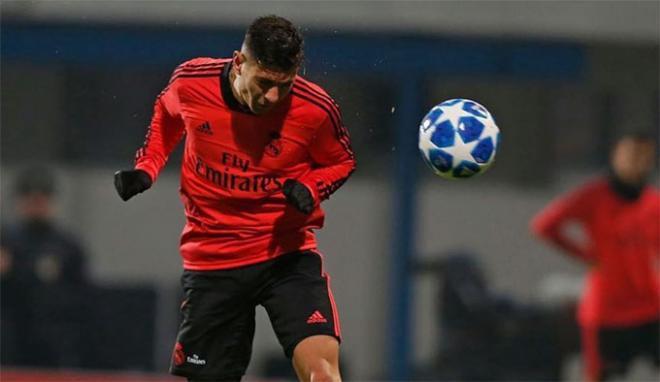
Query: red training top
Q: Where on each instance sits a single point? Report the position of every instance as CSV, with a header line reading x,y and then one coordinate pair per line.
x,y
623,247
235,163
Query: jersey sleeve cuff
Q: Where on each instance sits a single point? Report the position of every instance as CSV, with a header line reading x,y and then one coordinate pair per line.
x,y
148,169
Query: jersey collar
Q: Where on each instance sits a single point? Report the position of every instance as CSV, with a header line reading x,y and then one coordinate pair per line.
x,y
625,191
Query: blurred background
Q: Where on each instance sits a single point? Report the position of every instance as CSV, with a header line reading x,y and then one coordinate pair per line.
x,y
78,82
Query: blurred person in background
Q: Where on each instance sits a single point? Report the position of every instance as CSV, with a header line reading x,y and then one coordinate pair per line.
x,y
263,148
43,279
619,313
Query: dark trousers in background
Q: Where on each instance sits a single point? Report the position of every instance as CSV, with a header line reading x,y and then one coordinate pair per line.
x,y
609,352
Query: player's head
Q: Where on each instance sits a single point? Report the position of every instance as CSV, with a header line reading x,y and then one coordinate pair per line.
x,y
35,190
633,156
267,63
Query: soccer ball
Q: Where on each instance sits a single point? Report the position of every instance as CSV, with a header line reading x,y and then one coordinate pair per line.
x,y
458,139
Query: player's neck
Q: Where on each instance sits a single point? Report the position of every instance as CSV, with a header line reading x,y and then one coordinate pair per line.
x,y
233,84
629,191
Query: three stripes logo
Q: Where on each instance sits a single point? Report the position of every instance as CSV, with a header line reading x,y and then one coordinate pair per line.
x,y
178,356
316,318
205,128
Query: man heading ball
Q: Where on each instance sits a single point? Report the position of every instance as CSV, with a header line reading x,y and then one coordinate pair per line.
x,y
263,148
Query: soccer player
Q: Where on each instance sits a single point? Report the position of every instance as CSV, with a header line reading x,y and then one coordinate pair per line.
x,y
263,148
619,313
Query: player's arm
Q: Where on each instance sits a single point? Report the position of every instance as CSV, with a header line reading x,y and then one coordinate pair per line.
x,y
652,229
333,160
164,132
550,224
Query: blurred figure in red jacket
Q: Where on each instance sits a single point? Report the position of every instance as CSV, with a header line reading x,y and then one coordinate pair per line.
x,y
619,313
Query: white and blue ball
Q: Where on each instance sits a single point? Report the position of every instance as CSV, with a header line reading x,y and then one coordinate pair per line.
x,y
458,139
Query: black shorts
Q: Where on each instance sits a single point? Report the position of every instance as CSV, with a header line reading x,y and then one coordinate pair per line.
x,y
215,336
619,347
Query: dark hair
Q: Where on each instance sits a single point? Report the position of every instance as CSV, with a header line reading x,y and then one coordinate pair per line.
x,y
641,136
275,43
35,180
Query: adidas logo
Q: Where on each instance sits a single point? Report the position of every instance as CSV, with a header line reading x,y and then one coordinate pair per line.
x,y
316,318
205,128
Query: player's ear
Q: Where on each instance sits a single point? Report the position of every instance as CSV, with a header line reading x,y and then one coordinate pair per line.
x,y
237,61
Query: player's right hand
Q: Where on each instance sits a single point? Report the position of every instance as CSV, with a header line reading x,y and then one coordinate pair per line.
x,y
129,183
298,196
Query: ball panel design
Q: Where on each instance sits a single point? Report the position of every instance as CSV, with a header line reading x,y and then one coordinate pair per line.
x,y
452,102
426,159
431,118
475,109
483,151
440,160
443,135
465,169
470,129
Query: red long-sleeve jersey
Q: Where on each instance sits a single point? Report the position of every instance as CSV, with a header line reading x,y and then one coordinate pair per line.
x,y
622,247
235,164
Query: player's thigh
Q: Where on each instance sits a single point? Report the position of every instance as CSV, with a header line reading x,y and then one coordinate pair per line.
x,y
215,336
311,350
299,300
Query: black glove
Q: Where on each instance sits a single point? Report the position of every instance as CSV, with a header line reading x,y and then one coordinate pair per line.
x,y
131,182
298,196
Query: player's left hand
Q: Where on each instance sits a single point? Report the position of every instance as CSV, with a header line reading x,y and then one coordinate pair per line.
x,y
298,196
129,183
